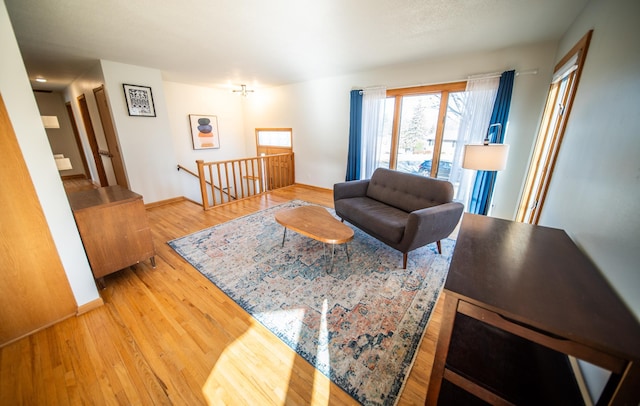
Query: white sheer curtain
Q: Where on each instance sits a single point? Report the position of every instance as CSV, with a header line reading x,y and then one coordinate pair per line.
x,y
481,95
373,100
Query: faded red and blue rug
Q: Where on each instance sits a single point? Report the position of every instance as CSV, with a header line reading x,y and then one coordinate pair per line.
x,y
359,324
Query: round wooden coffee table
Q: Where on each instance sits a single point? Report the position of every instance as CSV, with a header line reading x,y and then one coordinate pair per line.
x,y
317,223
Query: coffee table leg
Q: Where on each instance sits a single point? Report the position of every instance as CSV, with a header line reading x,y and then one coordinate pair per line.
x,y
333,253
324,254
284,236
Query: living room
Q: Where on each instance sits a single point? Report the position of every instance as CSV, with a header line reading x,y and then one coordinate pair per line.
x,y
580,199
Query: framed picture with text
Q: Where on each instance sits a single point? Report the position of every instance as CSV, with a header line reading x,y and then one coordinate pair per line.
x,y
204,131
139,100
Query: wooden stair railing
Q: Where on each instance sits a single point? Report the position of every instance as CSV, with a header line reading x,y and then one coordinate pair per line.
x,y
207,182
225,181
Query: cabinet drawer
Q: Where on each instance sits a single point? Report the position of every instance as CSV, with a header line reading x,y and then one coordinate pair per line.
x,y
115,236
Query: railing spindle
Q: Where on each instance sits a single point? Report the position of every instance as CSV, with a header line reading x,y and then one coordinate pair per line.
x,y
262,174
240,175
235,182
213,189
220,186
230,196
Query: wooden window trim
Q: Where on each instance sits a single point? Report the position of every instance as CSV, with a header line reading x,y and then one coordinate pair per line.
x,y
277,129
580,49
444,89
437,88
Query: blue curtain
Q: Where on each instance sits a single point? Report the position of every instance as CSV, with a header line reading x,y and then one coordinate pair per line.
x,y
485,180
355,136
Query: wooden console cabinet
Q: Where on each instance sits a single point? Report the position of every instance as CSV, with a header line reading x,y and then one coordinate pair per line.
x,y
519,299
114,229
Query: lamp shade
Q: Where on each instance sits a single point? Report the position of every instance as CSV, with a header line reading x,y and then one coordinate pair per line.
x,y
488,157
50,121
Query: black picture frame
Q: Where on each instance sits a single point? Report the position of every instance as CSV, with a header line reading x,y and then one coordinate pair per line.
x,y
139,100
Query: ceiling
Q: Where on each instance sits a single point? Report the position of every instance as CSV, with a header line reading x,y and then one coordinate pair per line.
x,y
222,43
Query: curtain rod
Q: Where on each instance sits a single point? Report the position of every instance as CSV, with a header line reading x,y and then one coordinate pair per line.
x,y
372,88
498,74
476,76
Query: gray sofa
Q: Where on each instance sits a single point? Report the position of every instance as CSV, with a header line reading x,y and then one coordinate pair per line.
x,y
402,210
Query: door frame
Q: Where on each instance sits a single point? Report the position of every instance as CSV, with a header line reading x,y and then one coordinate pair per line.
x,y
93,142
273,167
76,135
119,170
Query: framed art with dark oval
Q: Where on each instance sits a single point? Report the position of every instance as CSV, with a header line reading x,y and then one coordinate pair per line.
x,y
204,131
139,100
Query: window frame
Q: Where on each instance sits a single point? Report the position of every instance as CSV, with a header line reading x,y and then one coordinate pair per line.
x,y
543,164
279,130
444,89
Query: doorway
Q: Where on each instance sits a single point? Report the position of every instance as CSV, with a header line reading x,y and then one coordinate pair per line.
x,y
552,127
271,141
93,143
110,135
76,136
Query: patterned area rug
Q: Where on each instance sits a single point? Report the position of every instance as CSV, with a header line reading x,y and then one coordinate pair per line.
x,y
360,324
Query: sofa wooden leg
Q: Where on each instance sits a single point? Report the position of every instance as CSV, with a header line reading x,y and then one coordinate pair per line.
x,y
439,247
404,260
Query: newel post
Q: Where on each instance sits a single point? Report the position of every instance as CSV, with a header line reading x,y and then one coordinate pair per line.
x,y
203,184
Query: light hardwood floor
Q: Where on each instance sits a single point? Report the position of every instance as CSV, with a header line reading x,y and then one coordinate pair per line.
x,y
169,336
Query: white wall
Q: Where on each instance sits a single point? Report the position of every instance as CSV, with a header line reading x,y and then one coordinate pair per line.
x,y
318,112
595,191
25,118
146,144
183,100
152,147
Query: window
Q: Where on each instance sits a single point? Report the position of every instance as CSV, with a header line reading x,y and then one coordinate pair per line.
x,y
421,128
552,127
271,141
273,137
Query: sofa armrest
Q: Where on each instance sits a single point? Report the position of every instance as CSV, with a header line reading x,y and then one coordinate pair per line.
x,y
431,224
345,190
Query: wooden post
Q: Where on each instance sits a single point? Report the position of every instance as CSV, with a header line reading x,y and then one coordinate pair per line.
x,y
292,169
203,184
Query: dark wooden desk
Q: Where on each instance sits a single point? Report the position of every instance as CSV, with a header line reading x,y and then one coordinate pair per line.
x,y
519,298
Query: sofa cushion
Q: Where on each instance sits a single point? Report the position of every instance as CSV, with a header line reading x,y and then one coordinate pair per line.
x,y
407,191
381,220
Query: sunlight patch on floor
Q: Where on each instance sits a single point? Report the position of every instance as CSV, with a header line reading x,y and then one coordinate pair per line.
x,y
228,384
291,318
320,382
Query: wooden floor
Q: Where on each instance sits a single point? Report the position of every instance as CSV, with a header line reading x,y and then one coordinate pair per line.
x,y
169,336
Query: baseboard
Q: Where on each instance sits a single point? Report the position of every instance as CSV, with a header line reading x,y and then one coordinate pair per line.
x,y
192,201
87,307
163,202
76,176
312,187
